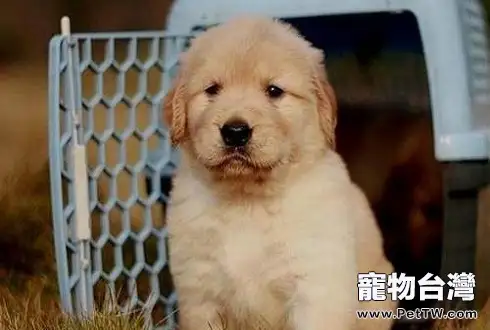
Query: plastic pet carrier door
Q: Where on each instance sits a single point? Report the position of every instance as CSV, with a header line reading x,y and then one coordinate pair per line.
x,y
105,94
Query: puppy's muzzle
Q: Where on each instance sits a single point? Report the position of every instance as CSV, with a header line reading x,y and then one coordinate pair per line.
x,y
236,133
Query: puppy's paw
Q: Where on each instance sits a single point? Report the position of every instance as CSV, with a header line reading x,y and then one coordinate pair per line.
x,y
320,310
203,316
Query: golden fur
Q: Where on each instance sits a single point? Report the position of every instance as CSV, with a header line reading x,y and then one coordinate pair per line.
x,y
272,238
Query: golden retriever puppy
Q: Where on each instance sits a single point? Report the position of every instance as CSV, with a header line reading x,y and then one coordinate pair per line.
x,y
266,229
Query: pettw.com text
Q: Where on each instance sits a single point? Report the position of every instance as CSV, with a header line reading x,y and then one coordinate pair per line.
x,y
418,314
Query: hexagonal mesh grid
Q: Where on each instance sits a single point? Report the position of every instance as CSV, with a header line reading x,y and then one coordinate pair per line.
x,y
113,84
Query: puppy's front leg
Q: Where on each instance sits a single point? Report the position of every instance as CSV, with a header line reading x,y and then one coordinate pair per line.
x,y
319,311
325,300
200,316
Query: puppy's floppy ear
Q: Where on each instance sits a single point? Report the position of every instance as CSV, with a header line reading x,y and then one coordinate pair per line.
x,y
174,110
326,99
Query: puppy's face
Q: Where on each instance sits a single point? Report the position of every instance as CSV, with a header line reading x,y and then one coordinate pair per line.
x,y
251,96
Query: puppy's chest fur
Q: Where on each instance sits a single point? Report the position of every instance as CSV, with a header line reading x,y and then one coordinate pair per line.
x,y
242,257
247,256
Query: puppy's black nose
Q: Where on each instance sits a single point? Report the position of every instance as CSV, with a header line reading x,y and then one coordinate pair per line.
x,y
236,133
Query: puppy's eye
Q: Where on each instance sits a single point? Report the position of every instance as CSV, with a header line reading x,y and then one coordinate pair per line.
x,y
213,89
274,92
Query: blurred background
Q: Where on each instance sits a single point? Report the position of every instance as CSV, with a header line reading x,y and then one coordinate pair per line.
x,y
25,30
